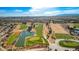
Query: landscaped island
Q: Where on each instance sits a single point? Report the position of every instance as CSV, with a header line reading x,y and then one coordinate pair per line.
x,y
68,43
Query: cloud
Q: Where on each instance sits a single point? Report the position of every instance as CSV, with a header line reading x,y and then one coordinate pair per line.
x,y
33,12
48,12
73,11
52,13
40,12
18,11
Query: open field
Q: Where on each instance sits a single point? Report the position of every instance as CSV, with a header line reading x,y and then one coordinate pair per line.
x,y
57,28
39,30
60,31
63,36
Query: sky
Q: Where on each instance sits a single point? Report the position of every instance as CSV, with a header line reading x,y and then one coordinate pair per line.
x,y
38,11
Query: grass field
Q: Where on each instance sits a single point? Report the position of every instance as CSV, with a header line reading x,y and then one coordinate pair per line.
x,y
23,26
63,36
31,41
39,30
69,44
35,40
12,38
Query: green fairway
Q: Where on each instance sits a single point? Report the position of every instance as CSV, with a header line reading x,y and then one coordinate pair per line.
x,y
69,44
23,26
39,30
12,38
63,36
35,40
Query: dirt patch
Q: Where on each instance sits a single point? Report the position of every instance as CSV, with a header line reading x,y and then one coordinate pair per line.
x,y
45,29
57,28
17,29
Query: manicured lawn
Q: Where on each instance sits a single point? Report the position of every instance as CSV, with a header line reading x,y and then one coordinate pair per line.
x,y
35,40
12,38
69,44
23,26
63,36
39,29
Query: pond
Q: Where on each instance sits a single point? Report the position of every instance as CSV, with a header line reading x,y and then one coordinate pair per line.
x,y
21,38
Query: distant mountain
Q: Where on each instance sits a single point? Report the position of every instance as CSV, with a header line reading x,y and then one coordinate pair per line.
x,y
68,15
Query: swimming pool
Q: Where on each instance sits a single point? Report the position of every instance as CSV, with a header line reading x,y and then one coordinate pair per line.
x,y
21,38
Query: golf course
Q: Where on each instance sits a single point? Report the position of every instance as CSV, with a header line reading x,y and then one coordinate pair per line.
x,y
68,43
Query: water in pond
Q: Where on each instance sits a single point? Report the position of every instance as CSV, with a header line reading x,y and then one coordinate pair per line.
x,y
21,38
